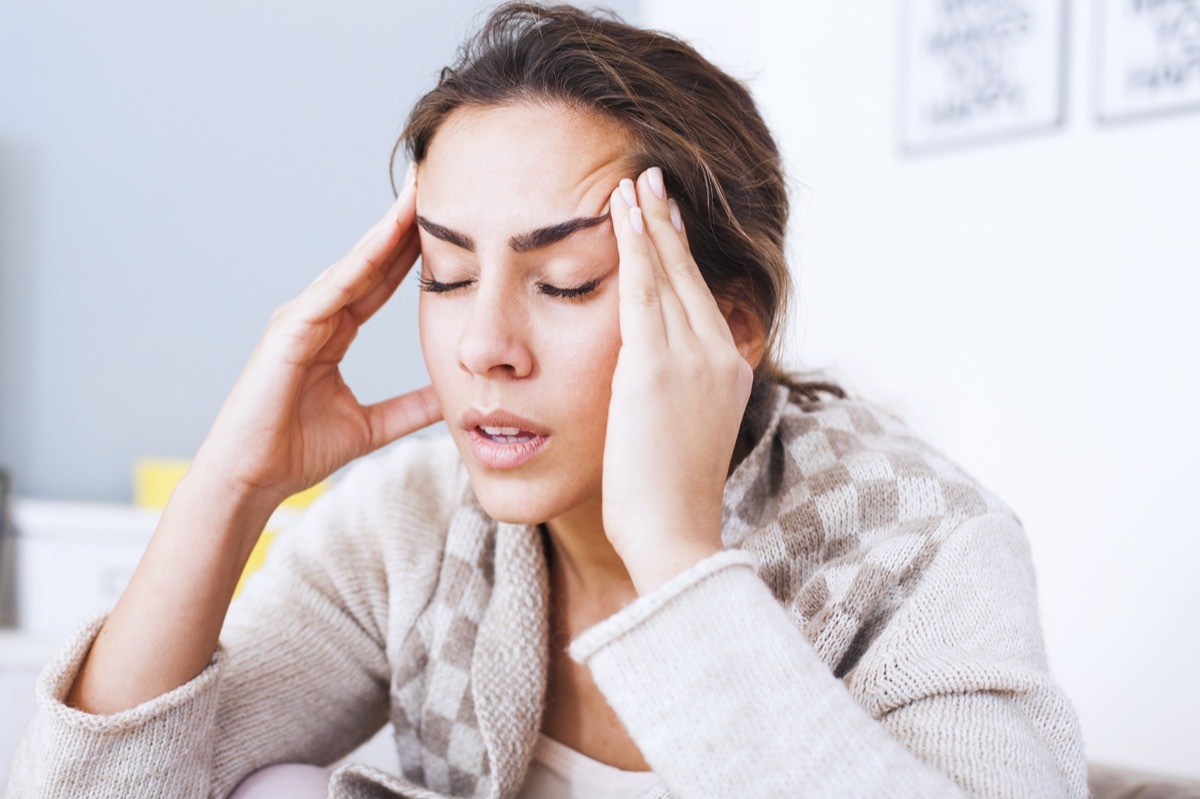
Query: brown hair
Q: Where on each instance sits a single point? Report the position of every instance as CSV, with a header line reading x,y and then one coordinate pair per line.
x,y
684,115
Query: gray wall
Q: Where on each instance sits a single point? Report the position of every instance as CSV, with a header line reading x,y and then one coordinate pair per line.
x,y
169,174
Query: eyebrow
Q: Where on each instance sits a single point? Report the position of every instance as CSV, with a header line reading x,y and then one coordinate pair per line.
x,y
525,242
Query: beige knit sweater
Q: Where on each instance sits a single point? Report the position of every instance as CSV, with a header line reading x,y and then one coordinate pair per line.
x,y
871,630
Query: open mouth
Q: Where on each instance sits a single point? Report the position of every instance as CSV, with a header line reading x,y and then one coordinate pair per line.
x,y
505,447
506,435
501,439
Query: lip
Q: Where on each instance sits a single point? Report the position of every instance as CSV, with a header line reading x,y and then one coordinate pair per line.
x,y
503,455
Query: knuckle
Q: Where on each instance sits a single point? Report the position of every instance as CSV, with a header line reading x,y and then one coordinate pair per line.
x,y
376,264
660,214
659,375
728,364
280,312
686,269
644,295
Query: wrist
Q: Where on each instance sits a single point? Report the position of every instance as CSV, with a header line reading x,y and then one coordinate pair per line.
x,y
651,566
225,504
223,470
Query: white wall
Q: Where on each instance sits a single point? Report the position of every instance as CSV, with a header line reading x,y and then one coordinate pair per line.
x,y
1031,307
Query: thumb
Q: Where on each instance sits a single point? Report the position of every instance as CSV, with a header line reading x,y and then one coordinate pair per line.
x,y
399,416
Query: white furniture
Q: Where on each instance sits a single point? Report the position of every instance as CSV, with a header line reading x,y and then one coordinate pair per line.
x,y
21,659
73,560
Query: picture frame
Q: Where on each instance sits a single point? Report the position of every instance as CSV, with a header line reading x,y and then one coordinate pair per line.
x,y
974,71
1147,59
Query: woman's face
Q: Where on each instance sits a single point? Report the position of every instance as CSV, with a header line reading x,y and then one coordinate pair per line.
x,y
518,315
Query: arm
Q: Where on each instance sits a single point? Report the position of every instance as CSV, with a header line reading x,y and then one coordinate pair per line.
x,y
301,673
289,421
163,630
721,691
951,700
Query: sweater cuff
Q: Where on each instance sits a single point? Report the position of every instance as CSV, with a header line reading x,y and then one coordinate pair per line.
x,y
57,678
66,752
648,605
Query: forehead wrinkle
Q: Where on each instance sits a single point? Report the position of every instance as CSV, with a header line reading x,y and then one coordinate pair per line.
x,y
610,156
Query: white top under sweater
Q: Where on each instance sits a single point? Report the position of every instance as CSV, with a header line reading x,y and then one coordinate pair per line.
x,y
559,772
870,630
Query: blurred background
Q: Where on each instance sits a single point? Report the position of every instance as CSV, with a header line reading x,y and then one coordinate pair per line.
x,y
1013,272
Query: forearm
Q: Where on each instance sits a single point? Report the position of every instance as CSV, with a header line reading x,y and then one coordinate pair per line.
x,y
777,719
720,666
164,629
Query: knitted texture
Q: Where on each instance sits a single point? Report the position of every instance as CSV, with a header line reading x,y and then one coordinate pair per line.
x,y
870,630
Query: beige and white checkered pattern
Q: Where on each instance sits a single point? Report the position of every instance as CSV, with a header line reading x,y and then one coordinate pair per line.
x,y
433,700
865,507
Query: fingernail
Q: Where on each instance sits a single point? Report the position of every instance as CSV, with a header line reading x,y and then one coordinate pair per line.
x,y
629,192
676,217
410,177
635,221
655,177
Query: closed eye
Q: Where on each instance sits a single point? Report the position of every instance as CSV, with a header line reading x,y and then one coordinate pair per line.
x,y
572,293
437,287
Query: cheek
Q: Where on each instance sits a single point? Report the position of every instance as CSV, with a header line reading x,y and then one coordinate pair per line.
x,y
588,345
438,332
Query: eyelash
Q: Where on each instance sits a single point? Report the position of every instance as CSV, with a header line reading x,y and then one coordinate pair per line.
x,y
579,292
434,287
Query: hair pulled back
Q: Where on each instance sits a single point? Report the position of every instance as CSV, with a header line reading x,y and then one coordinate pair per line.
x,y
682,113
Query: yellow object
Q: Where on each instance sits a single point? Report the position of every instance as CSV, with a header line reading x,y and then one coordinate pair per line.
x,y
155,478
257,558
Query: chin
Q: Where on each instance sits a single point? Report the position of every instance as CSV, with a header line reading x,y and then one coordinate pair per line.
x,y
512,502
524,499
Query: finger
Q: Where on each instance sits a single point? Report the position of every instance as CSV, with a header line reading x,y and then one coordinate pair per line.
x,y
675,321
346,325
677,222
399,416
365,307
640,308
362,269
343,332
703,313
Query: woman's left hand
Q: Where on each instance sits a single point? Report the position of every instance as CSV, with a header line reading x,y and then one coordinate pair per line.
x,y
678,395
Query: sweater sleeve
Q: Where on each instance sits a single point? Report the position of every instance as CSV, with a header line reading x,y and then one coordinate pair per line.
x,y
300,675
726,697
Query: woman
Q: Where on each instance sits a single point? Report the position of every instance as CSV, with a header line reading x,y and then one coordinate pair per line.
x,y
645,562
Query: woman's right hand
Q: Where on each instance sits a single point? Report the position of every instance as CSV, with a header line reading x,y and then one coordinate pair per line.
x,y
291,420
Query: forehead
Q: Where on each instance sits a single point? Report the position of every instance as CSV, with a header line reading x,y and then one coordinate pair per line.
x,y
520,165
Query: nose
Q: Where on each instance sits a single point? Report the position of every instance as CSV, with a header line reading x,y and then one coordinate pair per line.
x,y
494,342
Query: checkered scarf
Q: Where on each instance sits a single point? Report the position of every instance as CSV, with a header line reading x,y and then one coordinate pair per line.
x,y
843,507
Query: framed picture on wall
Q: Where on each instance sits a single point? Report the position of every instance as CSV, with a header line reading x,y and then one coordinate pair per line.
x,y
1147,58
978,70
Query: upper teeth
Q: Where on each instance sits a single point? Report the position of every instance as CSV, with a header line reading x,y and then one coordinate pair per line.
x,y
501,431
